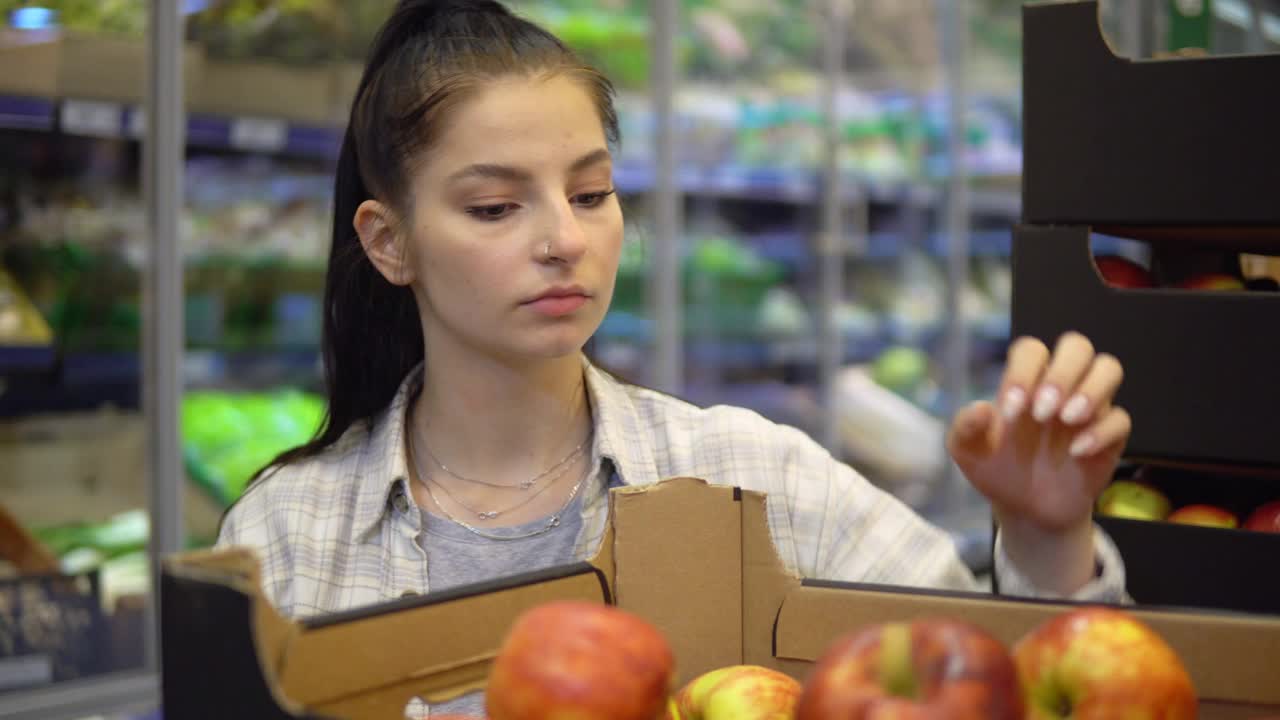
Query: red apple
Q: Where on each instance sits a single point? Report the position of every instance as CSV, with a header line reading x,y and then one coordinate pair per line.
x,y
1207,515
925,669
580,660
738,692
1096,663
1134,500
1212,281
1122,272
1265,518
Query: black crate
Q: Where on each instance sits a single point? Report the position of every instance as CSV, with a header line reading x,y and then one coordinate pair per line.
x,y
52,629
1202,567
1109,140
1198,567
1201,367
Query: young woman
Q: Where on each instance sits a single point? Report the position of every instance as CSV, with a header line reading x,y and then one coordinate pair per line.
x,y
476,237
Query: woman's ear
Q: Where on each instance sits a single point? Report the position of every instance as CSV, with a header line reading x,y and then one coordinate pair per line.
x,y
376,225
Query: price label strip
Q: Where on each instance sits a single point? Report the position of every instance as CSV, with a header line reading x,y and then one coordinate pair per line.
x,y
259,134
92,118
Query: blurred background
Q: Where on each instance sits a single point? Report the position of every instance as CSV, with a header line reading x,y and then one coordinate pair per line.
x,y
836,223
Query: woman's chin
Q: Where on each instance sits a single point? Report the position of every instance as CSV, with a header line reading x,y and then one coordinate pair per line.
x,y
554,346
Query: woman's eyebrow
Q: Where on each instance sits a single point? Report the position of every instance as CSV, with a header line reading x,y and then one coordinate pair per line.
x,y
496,171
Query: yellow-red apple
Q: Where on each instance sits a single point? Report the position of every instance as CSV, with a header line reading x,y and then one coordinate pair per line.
x,y
1134,500
932,668
1265,518
580,660
1096,663
1206,515
737,692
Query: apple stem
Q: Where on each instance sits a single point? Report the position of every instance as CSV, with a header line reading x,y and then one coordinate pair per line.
x,y
895,661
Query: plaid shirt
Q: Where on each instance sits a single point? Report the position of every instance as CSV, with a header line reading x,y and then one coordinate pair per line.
x,y
340,530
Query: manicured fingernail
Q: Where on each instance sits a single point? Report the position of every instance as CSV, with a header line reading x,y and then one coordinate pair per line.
x,y
1075,409
1015,399
1082,445
1046,403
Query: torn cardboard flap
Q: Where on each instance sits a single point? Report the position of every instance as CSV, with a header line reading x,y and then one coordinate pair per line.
x,y
696,560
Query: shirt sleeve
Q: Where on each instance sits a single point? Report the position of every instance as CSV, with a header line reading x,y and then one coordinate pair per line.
x,y
1107,586
846,529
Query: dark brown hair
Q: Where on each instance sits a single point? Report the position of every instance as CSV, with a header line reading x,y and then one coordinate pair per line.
x,y
427,57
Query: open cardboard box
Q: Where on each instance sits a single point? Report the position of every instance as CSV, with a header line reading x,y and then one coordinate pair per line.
x,y
695,559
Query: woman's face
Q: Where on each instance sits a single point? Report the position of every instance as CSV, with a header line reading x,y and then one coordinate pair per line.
x,y
515,233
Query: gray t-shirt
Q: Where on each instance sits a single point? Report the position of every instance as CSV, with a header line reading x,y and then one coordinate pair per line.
x,y
456,556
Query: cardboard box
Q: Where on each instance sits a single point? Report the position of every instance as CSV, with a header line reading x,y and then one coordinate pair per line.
x,y
696,560
86,66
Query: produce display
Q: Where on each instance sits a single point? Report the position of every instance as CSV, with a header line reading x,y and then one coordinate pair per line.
x,y
21,324
116,548
1123,272
1202,503
569,659
229,436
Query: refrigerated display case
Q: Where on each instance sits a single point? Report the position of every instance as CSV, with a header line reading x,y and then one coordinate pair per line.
x,y
796,244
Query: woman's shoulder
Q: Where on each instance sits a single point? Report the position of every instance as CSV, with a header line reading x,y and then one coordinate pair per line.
x,y
297,488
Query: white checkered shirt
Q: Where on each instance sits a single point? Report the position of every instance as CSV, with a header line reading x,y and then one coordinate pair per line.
x,y
340,530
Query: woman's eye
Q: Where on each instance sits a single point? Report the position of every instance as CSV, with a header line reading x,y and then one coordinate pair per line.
x,y
490,212
590,200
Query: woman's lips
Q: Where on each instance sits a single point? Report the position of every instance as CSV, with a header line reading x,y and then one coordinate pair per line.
x,y
557,305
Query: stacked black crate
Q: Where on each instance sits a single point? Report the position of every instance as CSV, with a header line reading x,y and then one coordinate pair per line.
x,y
1183,154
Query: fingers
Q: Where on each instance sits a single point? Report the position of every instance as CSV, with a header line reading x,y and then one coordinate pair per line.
x,y
1108,434
1027,359
1095,391
972,431
1071,361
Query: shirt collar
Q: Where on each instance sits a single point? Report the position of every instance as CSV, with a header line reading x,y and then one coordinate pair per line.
x,y
621,436
383,470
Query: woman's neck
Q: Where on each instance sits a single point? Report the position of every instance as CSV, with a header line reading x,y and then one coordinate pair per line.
x,y
500,422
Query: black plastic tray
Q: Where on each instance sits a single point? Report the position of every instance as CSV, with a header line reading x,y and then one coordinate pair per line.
x,y
1148,142
1200,367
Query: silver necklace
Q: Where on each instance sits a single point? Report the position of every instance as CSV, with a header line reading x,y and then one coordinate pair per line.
x,y
494,514
551,523
525,485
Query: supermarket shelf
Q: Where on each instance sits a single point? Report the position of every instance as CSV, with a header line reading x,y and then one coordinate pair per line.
x,y
95,118
26,113
136,694
20,360
802,186
86,381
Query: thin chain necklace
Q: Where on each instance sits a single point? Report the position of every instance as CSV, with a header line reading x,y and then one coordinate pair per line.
x,y
524,485
551,523
493,514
